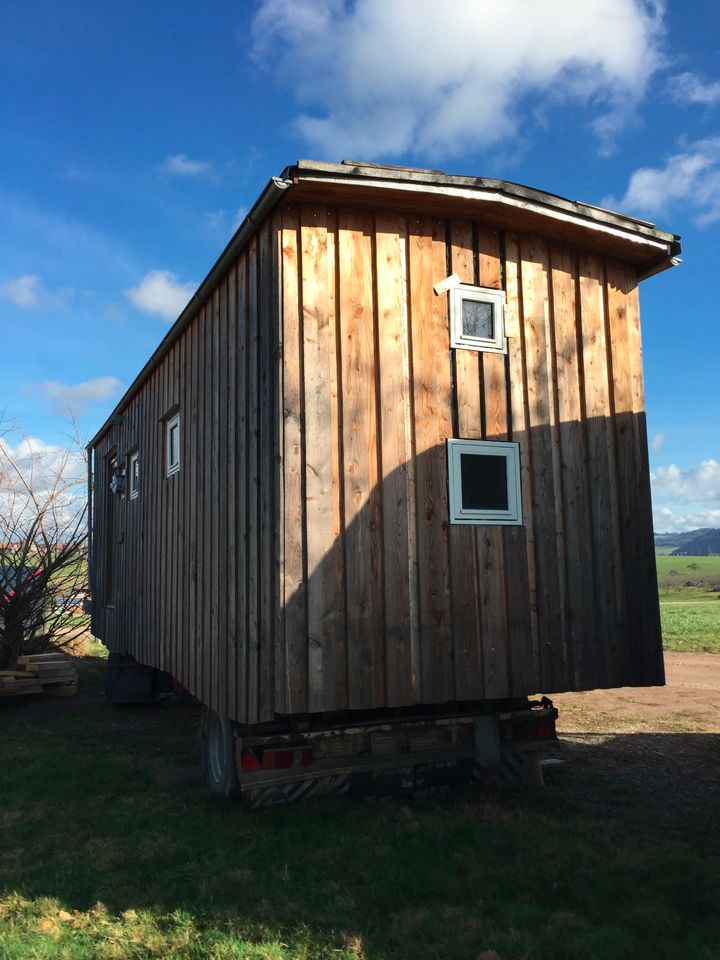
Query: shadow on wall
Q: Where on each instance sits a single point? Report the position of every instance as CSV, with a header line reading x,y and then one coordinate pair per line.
x,y
403,607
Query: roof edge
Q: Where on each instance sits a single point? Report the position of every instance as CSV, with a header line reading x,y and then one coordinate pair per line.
x,y
258,214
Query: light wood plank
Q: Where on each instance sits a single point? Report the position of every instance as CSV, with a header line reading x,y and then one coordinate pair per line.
x,y
398,493
544,441
363,517
432,403
467,625
601,468
294,590
581,620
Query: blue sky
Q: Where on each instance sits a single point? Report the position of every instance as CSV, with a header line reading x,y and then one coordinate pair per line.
x,y
135,136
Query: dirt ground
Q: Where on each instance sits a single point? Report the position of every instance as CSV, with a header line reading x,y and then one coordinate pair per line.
x,y
650,756
690,700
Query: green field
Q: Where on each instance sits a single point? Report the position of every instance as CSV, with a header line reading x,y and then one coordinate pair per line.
x,y
690,603
706,566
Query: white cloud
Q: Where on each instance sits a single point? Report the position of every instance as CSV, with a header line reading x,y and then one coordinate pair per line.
x,y
32,464
215,219
23,291
657,442
159,292
76,396
690,178
689,88
686,499
26,292
378,78
181,166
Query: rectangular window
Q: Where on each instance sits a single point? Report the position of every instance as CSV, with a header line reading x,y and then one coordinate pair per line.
x,y
172,444
484,482
476,319
133,475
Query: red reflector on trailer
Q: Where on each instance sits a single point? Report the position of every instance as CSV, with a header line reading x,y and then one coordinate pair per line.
x,y
249,761
277,759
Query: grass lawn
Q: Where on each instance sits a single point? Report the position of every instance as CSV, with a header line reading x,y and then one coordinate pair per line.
x,y
690,615
691,625
97,862
688,566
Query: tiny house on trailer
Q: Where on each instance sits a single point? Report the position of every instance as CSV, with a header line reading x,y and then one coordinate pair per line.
x,y
385,478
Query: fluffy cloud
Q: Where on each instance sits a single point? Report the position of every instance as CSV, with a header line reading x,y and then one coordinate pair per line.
x,y
23,291
181,166
657,442
686,499
382,78
77,396
30,464
689,88
690,178
159,292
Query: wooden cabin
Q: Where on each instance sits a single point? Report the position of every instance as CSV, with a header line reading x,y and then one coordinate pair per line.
x,y
392,453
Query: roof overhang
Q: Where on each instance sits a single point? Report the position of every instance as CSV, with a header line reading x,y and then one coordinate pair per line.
x,y
501,203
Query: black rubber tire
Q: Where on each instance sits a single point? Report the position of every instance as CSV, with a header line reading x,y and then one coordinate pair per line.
x,y
218,754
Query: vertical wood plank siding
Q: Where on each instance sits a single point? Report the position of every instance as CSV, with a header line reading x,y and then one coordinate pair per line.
x,y
302,560
463,612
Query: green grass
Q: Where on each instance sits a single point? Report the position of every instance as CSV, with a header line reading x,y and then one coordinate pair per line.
x,y
706,566
98,863
690,603
691,626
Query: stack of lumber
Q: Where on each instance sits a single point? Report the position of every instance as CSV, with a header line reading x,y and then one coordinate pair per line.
x,y
51,673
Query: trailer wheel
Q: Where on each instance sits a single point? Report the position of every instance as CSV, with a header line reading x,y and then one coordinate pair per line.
x,y
218,749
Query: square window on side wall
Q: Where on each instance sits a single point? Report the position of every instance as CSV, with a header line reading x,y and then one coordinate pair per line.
x,y
484,482
477,319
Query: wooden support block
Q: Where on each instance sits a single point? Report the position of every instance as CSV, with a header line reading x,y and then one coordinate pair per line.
x,y
49,665
41,658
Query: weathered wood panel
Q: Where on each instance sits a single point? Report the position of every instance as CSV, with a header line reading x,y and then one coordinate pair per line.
x,y
302,559
433,424
362,506
467,578
397,449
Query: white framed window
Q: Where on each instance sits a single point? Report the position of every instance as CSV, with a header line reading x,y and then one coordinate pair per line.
x,y
172,444
477,318
484,482
133,474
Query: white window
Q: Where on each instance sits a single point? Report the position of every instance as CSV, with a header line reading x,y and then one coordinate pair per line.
x,y
133,475
476,319
484,482
172,444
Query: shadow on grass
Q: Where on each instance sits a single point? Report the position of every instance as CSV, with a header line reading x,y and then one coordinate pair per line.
x,y
541,876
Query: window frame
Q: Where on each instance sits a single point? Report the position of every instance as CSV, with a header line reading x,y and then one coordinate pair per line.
x,y
172,466
133,458
456,448
461,340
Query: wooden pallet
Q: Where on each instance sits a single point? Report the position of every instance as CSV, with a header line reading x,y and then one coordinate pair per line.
x,y
53,674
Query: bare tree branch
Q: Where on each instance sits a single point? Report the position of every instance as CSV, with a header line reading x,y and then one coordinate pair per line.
x,y
43,547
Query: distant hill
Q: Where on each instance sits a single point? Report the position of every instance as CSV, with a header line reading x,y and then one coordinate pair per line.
x,y
694,543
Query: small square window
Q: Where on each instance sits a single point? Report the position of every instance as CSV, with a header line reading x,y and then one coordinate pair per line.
x,y
133,475
172,444
484,482
476,319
